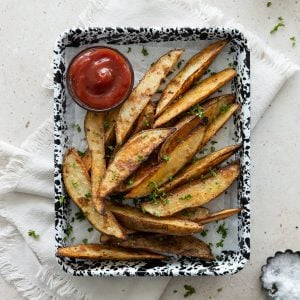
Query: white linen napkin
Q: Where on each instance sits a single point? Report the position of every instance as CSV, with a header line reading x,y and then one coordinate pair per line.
x,y
26,179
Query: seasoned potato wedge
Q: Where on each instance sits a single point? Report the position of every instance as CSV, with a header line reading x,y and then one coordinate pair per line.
x,y
78,186
87,160
133,218
191,72
94,131
103,252
180,156
181,245
142,93
193,214
131,156
220,215
200,167
217,124
196,193
196,95
183,129
146,119
109,126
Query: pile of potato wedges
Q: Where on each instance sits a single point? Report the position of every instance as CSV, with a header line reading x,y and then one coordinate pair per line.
x,y
145,152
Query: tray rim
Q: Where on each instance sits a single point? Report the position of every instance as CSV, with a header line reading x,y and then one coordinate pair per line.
x,y
240,257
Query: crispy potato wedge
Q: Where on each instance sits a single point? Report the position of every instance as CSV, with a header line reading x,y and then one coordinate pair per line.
x,y
109,126
217,124
103,252
220,215
191,72
94,131
142,93
131,156
195,194
78,186
146,119
133,218
177,159
193,214
188,246
200,167
196,95
87,160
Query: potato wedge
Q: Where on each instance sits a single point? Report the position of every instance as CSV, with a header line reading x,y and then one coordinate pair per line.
x,y
78,186
200,167
195,194
220,215
87,160
196,95
217,124
191,72
131,156
146,119
177,159
103,252
94,131
193,214
142,93
109,126
133,218
188,246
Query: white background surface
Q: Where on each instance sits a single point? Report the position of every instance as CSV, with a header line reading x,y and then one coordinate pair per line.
x,y
27,33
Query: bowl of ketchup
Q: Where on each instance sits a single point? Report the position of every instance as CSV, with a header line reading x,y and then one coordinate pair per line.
x,y
100,78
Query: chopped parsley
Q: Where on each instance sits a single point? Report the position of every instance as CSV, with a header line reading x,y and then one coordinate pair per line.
x,y
279,24
145,51
114,175
159,91
88,195
212,149
166,157
293,41
147,122
90,229
129,50
188,196
69,230
75,184
189,290
80,153
224,108
33,234
156,194
220,289
170,178
175,291
207,71
79,216
72,239
130,181
85,241
220,244
204,232
62,200
180,63
213,142
222,230
166,201
269,4
140,158
106,124
197,110
111,148
76,126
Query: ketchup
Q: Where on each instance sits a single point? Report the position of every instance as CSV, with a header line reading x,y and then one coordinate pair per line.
x,y
100,78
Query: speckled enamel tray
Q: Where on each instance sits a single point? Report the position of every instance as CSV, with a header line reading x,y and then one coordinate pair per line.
x,y
229,261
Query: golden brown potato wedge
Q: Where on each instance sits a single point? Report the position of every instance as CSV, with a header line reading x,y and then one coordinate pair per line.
x,y
78,186
109,126
195,194
217,124
133,218
180,156
193,214
188,246
200,167
94,131
146,119
131,156
142,93
220,215
103,252
191,72
87,160
196,95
